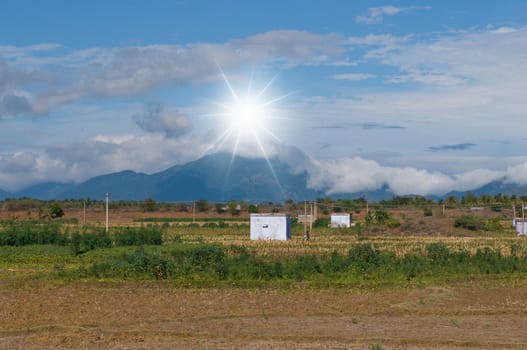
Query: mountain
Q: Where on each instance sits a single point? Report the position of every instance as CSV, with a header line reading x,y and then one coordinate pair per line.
x,y
493,188
46,190
217,177
124,185
221,177
4,194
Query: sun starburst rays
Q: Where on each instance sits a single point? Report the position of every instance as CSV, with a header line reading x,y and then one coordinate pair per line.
x,y
247,118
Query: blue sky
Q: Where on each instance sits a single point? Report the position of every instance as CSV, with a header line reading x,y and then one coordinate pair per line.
x,y
424,96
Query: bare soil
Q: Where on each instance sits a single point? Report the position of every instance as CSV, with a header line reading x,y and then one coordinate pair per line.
x,y
136,315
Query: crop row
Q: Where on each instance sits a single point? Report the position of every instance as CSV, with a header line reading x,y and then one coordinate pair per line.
x,y
81,239
362,263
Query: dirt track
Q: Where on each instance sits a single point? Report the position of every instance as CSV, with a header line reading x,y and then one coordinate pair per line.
x,y
150,315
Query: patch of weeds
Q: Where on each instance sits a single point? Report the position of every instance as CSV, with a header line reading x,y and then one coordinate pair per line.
x,y
456,322
376,346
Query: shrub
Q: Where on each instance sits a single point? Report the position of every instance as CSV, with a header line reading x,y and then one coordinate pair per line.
x,y
469,222
363,256
129,236
321,222
438,253
16,233
393,223
412,265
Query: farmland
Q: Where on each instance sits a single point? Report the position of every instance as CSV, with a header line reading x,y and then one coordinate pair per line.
x,y
421,283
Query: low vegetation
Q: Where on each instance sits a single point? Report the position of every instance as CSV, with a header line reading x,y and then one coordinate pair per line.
x,y
214,249
200,256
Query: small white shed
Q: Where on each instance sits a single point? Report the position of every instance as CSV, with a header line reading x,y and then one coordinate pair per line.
x,y
521,226
340,220
271,226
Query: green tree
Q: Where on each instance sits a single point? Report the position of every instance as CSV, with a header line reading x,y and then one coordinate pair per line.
x,y
55,211
234,208
149,204
202,205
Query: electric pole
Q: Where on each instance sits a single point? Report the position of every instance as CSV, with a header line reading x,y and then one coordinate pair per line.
x,y
107,197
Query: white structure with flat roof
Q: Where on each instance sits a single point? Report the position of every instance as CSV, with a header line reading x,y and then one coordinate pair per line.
x,y
521,226
340,220
271,226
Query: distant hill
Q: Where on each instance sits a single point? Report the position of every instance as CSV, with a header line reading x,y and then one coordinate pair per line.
x,y
493,188
217,177
4,194
46,190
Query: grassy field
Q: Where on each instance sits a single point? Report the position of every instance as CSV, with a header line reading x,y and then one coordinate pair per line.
x,y
208,286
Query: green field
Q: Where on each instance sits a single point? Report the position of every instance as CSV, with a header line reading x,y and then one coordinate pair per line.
x,y
223,255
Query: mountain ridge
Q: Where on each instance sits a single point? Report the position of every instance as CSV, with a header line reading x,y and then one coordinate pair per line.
x,y
218,177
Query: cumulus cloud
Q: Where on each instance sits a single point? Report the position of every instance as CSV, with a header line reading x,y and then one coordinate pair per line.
x,y
517,174
13,100
79,161
159,119
349,175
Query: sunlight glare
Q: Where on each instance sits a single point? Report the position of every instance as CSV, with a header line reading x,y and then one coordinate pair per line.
x,y
247,116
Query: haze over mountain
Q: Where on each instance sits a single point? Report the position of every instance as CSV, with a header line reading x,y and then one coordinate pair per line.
x,y
221,177
218,177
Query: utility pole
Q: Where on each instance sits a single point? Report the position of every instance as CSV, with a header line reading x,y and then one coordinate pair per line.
x,y
193,211
306,235
311,220
84,212
107,197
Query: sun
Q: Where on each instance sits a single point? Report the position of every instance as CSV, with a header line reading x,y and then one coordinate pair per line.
x,y
247,116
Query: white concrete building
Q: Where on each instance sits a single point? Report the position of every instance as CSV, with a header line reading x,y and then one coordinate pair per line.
x,y
521,226
340,220
271,226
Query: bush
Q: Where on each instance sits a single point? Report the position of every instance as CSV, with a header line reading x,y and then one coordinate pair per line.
x,y
363,256
321,222
16,233
470,222
134,265
129,236
393,223
438,253
55,211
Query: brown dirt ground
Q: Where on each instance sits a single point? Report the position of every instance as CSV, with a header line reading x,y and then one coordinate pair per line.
x,y
135,315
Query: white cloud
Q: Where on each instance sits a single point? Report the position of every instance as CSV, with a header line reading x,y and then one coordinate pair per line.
x,y
131,71
517,174
157,118
76,162
375,15
349,175
352,76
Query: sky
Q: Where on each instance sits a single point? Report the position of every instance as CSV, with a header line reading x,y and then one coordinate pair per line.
x,y
425,97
